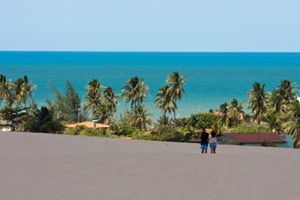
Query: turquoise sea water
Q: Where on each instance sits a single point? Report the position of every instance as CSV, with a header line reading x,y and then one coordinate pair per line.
x,y
212,78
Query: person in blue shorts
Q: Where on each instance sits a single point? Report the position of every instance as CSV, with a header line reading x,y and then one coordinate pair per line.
x,y
213,141
204,139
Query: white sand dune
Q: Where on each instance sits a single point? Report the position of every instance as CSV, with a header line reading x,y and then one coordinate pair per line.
x,y
47,167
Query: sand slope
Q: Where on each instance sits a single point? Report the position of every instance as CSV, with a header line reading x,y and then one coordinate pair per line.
x,y
42,166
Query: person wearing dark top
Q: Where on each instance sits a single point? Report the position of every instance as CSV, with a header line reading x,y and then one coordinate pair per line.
x,y
204,140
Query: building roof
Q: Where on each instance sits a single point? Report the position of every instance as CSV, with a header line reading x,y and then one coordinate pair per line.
x,y
255,137
87,124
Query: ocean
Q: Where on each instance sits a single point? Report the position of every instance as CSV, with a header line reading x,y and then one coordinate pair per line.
x,y
211,78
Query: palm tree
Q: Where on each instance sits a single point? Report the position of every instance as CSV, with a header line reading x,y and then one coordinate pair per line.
x,y
292,124
140,117
164,102
162,121
257,101
287,92
11,96
235,113
93,96
223,111
176,91
110,101
3,88
17,88
275,101
176,82
22,90
282,96
273,121
135,92
26,90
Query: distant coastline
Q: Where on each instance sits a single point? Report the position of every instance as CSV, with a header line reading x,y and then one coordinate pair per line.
x,y
137,51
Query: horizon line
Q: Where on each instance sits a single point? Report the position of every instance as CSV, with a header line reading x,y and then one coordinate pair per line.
x,y
86,51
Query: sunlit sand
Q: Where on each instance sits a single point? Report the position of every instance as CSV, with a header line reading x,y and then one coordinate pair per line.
x,y
45,166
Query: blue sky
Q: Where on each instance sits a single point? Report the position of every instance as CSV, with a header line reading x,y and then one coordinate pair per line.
x,y
150,25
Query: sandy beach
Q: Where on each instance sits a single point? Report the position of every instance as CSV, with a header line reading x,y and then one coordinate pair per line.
x,y
44,166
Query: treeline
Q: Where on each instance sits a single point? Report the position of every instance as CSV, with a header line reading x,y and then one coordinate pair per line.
x,y
275,111
279,109
18,108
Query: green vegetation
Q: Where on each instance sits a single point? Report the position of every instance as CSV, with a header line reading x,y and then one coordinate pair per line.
x,y
15,101
101,101
231,114
66,107
135,93
84,131
42,120
167,96
199,121
250,128
276,111
257,101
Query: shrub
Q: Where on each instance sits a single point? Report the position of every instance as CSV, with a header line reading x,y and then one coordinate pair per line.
x,y
167,133
123,129
90,132
82,130
43,121
250,128
199,121
74,131
172,135
141,136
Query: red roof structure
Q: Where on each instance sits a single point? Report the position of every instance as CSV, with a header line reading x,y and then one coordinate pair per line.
x,y
250,138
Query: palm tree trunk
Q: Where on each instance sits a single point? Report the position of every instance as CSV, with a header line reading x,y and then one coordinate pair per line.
x,y
174,117
165,118
145,128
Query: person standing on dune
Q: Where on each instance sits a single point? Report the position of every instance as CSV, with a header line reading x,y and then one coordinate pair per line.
x,y
204,139
213,141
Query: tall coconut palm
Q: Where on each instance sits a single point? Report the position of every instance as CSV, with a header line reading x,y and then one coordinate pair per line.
x,y
176,82
282,96
22,90
257,101
235,113
135,91
110,101
164,102
176,91
222,113
93,96
17,88
17,92
26,90
287,91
